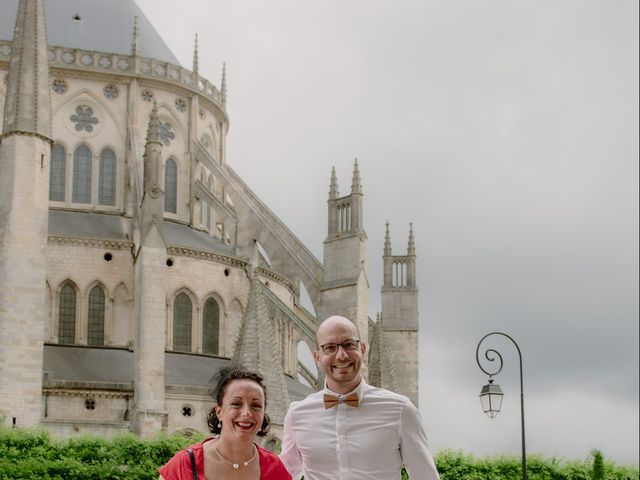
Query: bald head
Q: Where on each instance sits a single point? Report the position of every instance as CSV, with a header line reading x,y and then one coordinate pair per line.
x,y
336,323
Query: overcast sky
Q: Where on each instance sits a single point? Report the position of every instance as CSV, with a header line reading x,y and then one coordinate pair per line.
x,y
507,132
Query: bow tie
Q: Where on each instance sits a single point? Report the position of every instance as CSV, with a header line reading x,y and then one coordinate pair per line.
x,y
331,401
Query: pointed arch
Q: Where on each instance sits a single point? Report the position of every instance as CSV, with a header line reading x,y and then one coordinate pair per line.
x,y
96,306
211,326
82,174
182,315
107,177
166,112
87,96
58,173
171,185
67,312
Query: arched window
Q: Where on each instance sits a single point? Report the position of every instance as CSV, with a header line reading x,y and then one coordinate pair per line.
x,y
171,186
57,173
107,184
67,315
210,327
81,175
96,317
182,323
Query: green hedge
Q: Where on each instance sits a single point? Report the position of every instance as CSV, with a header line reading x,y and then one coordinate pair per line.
x,y
453,465
33,454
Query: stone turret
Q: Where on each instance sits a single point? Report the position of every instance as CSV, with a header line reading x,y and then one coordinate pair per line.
x,y
152,206
223,84
345,290
135,38
25,148
256,350
28,105
150,414
195,55
400,313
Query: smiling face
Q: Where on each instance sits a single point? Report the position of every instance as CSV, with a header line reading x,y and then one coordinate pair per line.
x,y
242,410
342,369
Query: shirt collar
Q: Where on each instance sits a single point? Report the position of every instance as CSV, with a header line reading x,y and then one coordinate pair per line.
x,y
360,390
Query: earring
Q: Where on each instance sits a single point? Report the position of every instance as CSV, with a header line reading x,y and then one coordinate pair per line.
x,y
219,424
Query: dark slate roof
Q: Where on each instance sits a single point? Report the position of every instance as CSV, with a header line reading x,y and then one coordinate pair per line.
x,y
192,370
88,225
104,25
86,364
116,227
179,235
95,367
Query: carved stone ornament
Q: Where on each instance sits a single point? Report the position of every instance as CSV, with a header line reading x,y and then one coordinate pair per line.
x,y
59,86
83,118
111,91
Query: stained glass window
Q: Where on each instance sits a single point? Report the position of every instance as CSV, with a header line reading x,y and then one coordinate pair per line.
x,y
182,323
171,186
96,317
57,173
210,327
67,315
107,185
81,192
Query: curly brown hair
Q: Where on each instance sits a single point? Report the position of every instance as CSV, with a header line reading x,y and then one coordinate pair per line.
x,y
225,377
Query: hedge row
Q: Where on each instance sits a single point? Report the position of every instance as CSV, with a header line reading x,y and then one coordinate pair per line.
x,y
458,465
33,454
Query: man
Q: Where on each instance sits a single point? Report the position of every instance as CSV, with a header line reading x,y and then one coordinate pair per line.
x,y
351,430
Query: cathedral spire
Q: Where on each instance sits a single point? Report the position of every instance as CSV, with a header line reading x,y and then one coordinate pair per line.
x,y
153,130
28,104
356,186
152,151
255,350
381,370
195,55
411,247
135,38
223,84
387,240
333,186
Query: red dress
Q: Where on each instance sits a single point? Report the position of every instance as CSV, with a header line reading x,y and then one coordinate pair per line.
x,y
179,467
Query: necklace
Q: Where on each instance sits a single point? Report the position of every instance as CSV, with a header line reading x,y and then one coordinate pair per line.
x,y
235,465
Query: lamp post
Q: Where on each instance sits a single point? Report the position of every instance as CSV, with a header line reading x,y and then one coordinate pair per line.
x,y
491,395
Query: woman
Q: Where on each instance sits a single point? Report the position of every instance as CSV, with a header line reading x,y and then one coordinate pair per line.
x,y
238,417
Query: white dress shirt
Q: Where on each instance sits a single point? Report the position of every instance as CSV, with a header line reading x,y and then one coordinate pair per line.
x,y
371,441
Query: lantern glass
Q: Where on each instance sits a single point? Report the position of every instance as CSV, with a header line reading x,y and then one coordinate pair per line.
x,y
491,399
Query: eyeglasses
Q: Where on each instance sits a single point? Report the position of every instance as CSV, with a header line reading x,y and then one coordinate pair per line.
x,y
332,348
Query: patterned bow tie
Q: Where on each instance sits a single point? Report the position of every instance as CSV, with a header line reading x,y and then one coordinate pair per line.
x,y
331,401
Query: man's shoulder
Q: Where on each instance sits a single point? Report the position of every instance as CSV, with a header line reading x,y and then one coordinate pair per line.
x,y
379,393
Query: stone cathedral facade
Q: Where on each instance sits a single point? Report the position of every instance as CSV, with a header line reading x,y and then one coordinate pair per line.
x,y
134,262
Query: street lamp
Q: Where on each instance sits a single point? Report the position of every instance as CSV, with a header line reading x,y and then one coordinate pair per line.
x,y
491,398
491,395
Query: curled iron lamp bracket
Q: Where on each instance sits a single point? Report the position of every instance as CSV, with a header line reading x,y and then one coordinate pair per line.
x,y
492,354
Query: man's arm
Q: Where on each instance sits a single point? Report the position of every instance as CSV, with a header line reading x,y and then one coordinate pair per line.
x,y
290,455
413,446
